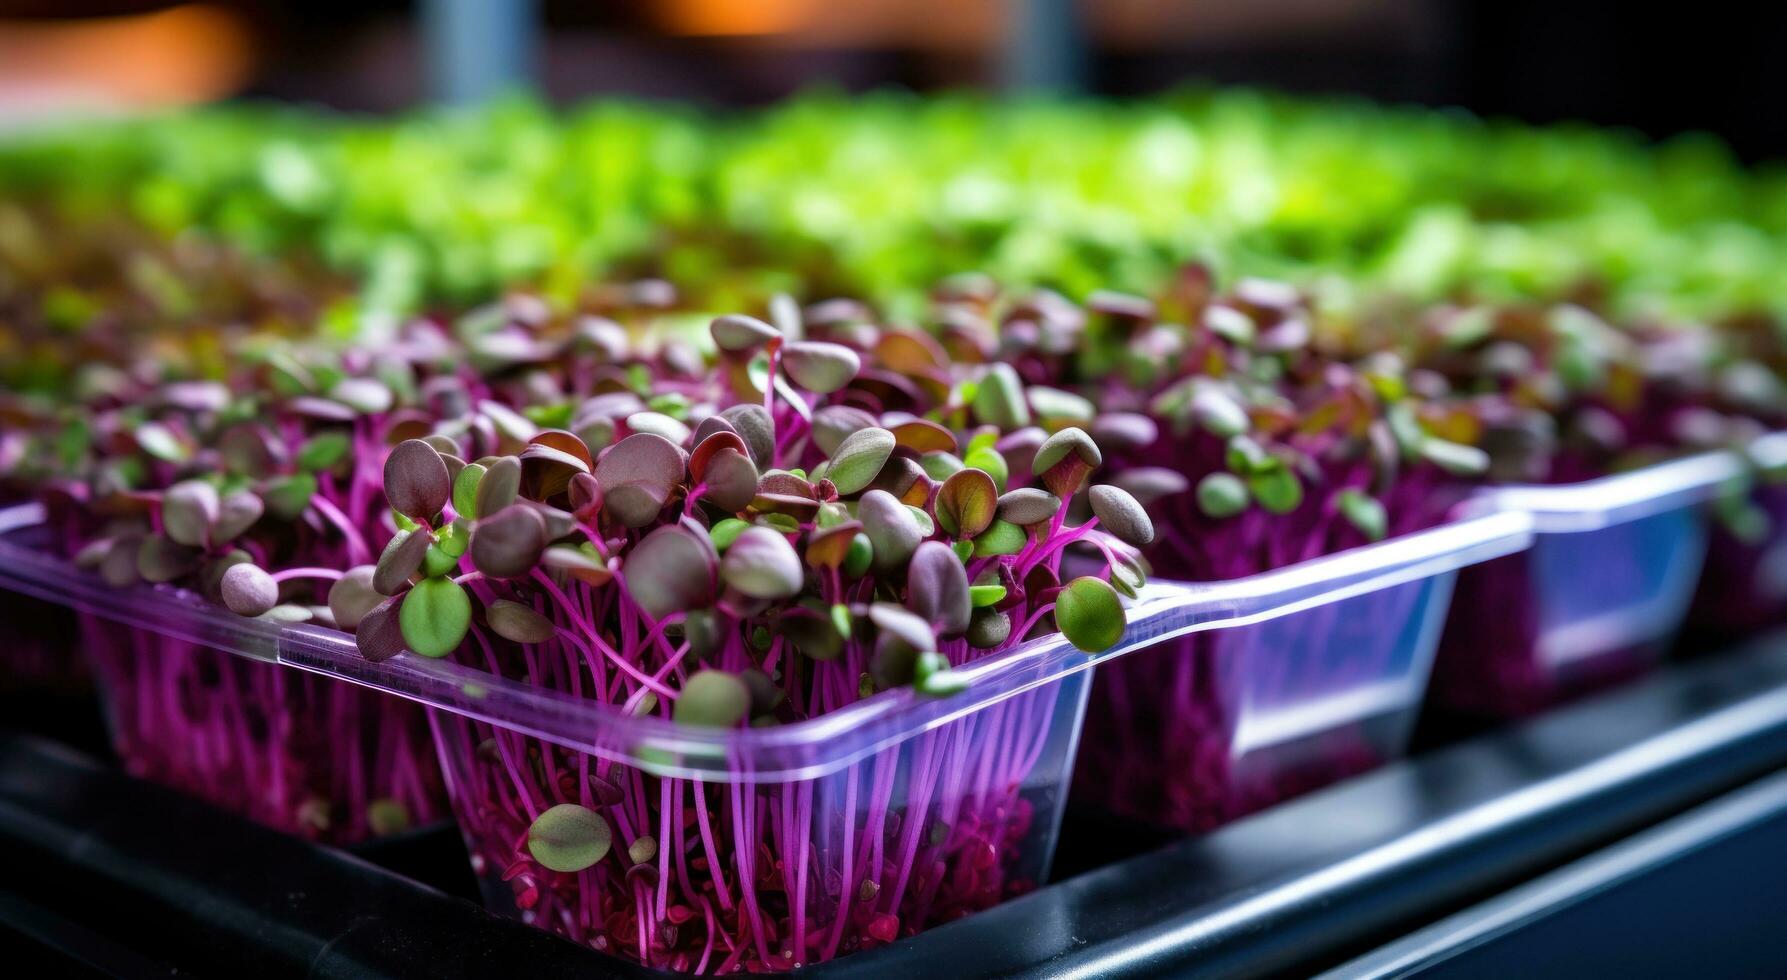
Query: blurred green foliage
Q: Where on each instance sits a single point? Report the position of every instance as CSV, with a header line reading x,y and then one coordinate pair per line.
x,y
886,194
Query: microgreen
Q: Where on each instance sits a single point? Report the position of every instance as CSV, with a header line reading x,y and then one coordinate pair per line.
x,y
810,513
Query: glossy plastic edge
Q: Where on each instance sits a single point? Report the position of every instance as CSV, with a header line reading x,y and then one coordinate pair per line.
x,y
797,751
1625,497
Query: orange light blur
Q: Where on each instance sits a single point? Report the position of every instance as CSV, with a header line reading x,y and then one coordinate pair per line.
x,y
729,18
940,24
182,55
979,24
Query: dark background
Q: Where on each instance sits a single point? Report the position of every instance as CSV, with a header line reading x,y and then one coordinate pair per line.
x,y
1662,69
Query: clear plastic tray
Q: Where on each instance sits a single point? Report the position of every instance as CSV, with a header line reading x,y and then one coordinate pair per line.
x,y
1744,585
1207,725
1598,597
904,810
302,753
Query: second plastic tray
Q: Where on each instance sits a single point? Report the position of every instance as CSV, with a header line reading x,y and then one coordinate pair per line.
x,y
1743,588
1317,673
1598,597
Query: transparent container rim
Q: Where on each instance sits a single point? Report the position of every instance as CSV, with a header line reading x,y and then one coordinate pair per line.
x,y
1625,497
799,750
1495,522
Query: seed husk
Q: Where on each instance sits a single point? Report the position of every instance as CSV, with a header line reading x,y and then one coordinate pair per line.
x,y
642,850
248,590
988,629
1028,505
1122,515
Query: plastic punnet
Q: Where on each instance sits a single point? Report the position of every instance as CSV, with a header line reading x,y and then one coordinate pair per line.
x,y
298,752
1743,587
1289,698
962,793
1597,598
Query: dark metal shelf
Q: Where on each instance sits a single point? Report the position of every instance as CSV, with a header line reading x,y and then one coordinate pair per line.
x,y
108,876
1695,895
1305,884
112,877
